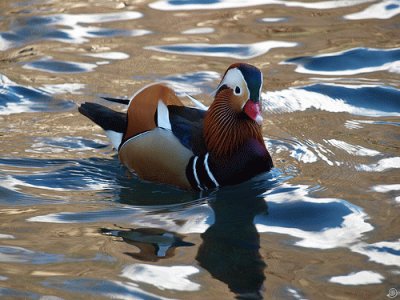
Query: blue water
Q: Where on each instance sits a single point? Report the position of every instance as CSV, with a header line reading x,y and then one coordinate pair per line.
x,y
76,224
353,59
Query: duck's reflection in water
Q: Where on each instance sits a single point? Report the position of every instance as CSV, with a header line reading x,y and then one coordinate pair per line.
x,y
230,247
153,243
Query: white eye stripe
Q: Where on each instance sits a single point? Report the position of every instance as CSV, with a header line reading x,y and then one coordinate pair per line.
x,y
234,78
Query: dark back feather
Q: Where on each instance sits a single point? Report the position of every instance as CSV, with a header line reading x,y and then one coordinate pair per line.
x,y
187,126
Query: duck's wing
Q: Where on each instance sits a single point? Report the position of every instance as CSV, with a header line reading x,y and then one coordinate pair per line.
x,y
187,126
148,108
158,106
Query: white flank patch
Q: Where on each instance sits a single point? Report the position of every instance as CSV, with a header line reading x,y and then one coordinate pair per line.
x,y
114,137
163,116
358,278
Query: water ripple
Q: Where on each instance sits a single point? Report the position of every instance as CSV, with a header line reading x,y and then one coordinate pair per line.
x,y
105,288
364,100
56,66
11,254
349,62
382,165
199,30
322,223
238,51
10,293
358,278
273,20
384,9
26,180
62,175
355,150
16,98
189,83
67,28
64,144
224,4
386,252
109,55
163,277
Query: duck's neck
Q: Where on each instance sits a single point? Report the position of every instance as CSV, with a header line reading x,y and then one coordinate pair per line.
x,y
225,130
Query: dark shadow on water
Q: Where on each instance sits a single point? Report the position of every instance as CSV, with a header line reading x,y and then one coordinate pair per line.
x,y
230,247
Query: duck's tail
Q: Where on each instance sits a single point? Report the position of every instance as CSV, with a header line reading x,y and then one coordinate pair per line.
x,y
117,100
113,122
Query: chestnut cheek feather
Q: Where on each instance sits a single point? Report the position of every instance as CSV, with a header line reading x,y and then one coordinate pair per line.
x,y
253,110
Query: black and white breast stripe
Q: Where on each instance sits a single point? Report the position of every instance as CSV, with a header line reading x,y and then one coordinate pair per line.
x,y
199,173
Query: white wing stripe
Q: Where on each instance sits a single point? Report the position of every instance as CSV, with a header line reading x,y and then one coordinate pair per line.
x,y
195,173
210,174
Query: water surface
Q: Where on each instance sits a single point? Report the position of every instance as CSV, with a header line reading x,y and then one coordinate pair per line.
x,y
323,224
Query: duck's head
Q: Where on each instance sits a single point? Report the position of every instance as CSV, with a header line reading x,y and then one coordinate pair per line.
x,y
241,88
235,115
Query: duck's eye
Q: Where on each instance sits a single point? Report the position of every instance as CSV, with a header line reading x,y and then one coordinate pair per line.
x,y
237,90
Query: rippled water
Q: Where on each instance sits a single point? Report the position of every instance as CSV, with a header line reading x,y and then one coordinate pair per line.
x,y
323,224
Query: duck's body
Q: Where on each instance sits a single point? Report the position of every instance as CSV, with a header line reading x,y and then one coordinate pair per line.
x,y
162,140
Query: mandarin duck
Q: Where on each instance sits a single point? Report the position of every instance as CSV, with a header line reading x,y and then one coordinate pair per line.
x,y
162,140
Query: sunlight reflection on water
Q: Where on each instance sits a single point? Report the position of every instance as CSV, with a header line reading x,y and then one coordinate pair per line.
x,y
323,218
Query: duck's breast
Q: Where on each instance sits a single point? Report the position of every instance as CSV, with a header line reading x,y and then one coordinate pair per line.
x,y
157,155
